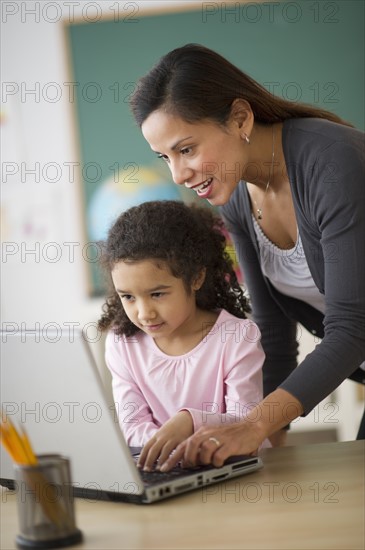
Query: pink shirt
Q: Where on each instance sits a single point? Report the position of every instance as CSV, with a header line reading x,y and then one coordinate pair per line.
x,y
218,381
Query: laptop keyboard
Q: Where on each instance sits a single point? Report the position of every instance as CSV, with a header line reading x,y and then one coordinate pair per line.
x,y
156,477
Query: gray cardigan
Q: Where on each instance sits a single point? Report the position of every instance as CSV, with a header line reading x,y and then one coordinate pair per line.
x,y
326,168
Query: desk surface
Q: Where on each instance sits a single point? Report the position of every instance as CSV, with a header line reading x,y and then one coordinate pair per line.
x,y
305,497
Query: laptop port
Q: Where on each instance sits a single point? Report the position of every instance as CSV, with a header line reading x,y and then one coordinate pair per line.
x,y
184,487
164,491
220,476
242,466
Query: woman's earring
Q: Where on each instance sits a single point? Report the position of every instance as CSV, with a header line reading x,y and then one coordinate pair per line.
x,y
245,137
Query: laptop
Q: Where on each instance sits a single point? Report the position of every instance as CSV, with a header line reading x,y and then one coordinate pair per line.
x,y
50,383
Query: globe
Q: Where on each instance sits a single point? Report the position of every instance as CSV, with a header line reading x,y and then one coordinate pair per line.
x,y
122,191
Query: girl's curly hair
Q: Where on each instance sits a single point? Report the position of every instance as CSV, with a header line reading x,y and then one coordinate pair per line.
x,y
186,239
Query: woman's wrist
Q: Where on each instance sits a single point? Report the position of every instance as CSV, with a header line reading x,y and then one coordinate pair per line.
x,y
274,412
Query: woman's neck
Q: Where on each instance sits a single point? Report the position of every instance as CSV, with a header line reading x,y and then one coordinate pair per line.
x,y
266,161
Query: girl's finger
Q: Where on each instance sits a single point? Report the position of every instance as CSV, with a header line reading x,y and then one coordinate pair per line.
x,y
152,456
166,452
173,459
144,453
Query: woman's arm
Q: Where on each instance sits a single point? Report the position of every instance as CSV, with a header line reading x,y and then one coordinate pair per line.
x,y
273,413
329,200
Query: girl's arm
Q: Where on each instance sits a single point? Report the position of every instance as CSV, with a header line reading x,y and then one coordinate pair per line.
x,y
134,415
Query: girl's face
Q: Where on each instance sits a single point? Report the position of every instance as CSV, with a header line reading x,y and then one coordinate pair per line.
x,y
202,156
154,300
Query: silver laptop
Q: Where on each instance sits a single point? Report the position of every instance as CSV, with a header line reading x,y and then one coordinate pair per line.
x,y
50,383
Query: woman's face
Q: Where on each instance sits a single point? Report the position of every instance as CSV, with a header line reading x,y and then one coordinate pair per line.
x,y
203,156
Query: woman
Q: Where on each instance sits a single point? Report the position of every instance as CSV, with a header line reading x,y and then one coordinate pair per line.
x,y
290,181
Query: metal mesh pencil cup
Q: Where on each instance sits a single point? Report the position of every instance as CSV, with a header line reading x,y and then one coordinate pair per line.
x,y
45,504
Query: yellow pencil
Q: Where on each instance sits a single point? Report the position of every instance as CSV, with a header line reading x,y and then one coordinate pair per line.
x,y
28,448
15,441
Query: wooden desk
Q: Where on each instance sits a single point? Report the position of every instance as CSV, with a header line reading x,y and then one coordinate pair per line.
x,y
305,497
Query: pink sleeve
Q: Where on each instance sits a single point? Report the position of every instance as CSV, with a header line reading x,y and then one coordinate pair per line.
x,y
134,415
243,388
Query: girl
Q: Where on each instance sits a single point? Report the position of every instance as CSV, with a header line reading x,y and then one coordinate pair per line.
x,y
181,352
290,180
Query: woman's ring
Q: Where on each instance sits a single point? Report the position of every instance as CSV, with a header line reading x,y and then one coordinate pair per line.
x,y
215,441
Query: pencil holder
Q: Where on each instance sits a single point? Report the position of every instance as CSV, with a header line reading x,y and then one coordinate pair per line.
x,y
45,504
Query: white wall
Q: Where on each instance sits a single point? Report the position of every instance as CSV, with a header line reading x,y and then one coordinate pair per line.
x,y
340,411
48,287
38,130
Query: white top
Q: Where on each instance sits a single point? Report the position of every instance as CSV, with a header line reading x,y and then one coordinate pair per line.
x,y
288,270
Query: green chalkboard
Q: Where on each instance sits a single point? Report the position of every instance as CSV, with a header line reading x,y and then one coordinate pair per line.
x,y
310,51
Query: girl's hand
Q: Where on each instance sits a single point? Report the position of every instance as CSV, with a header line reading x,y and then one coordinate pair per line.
x,y
165,440
214,445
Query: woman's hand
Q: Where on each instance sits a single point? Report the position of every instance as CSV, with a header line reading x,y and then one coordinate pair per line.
x,y
214,445
165,440
278,439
